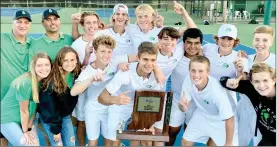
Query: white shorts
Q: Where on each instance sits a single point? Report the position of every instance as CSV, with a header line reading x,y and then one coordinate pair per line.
x,y
177,117
78,111
114,118
96,121
201,127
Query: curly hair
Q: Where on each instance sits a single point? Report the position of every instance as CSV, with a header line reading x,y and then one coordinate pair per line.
x,y
57,75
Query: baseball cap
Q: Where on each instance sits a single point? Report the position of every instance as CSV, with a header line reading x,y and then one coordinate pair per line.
x,y
22,14
227,30
48,12
120,7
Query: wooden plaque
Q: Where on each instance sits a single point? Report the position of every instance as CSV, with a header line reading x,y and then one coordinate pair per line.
x,y
148,109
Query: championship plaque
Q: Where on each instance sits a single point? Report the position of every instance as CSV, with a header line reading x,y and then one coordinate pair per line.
x,y
148,108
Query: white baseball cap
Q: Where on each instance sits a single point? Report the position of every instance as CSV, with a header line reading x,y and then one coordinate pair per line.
x,y
227,30
121,7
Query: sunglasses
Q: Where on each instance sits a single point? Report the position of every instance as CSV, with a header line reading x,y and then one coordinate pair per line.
x,y
229,38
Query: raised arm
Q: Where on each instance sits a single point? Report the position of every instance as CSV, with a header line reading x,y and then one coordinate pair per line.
x,y
189,23
75,22
80,87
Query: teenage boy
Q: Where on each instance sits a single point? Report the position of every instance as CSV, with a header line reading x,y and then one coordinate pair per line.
x,y
213,117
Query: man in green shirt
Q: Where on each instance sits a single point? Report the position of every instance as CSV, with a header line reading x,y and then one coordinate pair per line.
x,y
14,53
52,41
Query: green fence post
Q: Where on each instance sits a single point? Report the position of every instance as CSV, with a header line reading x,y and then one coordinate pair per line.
x,y
267,16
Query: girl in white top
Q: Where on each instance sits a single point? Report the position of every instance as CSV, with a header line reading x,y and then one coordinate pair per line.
x,y
92,81
83,46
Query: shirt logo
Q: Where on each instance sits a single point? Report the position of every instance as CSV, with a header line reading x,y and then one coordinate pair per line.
x,y
175,60
205,101
149,86
111,74
225,65
128,40
23,12
152,38
228,29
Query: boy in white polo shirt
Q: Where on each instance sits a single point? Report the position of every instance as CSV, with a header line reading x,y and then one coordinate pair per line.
x,y
213,117
92,82
119,20
120,92
191,44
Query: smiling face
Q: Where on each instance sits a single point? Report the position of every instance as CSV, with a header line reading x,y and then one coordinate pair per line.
x,y
42,67
226,43
145,20
52,24
199,73
192,46
147,62
120,18
262,42
168,43
21,26
103,54
69,62
90,24
263,83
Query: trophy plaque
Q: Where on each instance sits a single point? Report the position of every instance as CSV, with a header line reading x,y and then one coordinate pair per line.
x,y
148,108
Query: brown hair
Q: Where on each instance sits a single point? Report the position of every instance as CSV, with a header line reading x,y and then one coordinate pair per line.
x,y
84,14
104,40
237,40
169,31
147,47
262,67
57,75
200,59
264,29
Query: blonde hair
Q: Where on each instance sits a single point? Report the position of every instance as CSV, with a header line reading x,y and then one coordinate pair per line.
x,y
262,67
264,29
237,40
200,59
32,74
104,40
145,8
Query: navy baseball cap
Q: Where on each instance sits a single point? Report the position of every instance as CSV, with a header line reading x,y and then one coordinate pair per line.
x,y
22,14
48,12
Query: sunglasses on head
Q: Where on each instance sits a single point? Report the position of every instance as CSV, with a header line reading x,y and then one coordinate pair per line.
x,y
229,38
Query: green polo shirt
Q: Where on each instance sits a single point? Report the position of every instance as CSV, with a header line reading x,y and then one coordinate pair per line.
x,y
10,108
14,60
51,47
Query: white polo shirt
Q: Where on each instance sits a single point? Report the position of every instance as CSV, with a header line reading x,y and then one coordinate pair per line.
x,y
138,36
167,64
212,100
222,65
96,88
124,44
130,80
178,76
270,60
79,45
